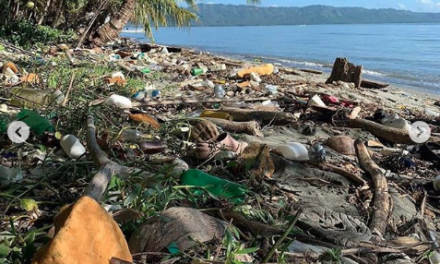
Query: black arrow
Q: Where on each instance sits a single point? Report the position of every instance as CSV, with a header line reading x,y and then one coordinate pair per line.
x,y
17,131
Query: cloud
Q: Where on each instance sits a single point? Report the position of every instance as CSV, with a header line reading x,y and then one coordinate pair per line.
x,y
428,2
401,6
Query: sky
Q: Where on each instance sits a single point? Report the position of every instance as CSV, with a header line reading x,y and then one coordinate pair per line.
x,y
412,5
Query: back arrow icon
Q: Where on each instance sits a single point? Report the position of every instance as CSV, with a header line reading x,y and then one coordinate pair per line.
x,y
17,132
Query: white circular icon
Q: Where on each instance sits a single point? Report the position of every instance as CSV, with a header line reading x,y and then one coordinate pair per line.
x,y
420,132
18,132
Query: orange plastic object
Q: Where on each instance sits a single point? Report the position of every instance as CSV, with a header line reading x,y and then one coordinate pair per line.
x,y
216,114
116,80
266,69
145,118
10,65
84,233
30,78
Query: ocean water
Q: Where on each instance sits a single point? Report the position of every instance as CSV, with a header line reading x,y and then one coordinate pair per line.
x,y
400,54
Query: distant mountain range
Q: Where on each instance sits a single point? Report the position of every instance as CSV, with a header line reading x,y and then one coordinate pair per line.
x,y
250,15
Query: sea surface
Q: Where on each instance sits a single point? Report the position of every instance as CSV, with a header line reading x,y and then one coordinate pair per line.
x,y
400,54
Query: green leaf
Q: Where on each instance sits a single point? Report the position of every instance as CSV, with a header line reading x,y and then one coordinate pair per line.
x,y
4,250
247,250
28,204
133,195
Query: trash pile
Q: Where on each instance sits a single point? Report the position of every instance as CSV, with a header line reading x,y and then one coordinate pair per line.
x,y
142,153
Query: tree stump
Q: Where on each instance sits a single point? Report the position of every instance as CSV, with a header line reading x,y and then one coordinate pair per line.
x,y
346,72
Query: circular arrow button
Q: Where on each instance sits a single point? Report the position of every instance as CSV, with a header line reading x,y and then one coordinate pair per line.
x,y
18,132
420,132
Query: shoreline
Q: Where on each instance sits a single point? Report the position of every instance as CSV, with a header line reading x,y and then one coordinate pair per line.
x,y
325,74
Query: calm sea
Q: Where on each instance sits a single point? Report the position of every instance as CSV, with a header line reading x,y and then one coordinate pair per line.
x,y
401,54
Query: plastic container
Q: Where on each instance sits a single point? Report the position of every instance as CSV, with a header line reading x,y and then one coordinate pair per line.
x,y
293,151
196,71
215,186
217,67
255,77
139,96
72,146
131,135
119,101
272,89
146,70
219,92
24,97
316,101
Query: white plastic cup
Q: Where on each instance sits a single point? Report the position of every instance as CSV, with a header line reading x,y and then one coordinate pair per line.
x,y
293,151
72,146
118,74
316,101
119,101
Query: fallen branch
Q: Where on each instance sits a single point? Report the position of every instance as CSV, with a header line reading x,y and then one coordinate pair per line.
x,y
250,128
266,117
390,134
66,98
108,168
381,202
124,66
351,176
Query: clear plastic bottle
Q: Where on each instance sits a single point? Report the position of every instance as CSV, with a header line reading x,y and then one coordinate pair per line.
x,y
219,91
131,135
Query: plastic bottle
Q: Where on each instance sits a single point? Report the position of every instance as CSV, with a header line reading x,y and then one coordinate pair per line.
x,y
219,92
72,146
119,101
293,151
24,97
196,71
36,123
131,135
218,187
271,89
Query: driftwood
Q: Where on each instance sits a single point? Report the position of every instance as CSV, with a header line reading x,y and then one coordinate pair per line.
x,y
108,168
265,117
351,176
250,128
391,134
346,72
373,84
311,71
124,66
381,202
196,101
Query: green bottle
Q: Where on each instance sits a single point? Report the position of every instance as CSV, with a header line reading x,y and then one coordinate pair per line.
x,y
36,123
196,71
217,187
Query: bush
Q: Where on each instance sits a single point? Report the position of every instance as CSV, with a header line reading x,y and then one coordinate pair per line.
x,y
26,35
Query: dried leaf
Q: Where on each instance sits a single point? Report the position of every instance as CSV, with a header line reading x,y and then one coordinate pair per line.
x,y
256,159
145,118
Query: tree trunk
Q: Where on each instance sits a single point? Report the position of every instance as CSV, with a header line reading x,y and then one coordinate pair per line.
x,y
346,72
111,29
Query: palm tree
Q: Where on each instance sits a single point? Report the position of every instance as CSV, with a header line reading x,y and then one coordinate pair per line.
x,y
146,13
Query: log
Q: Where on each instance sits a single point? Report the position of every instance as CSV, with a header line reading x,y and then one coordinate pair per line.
x,y
250,128
311,71
391,134
373,84
381,202
346,72
265,117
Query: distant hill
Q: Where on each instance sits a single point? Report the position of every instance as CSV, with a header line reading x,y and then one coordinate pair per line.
x,y
248,15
